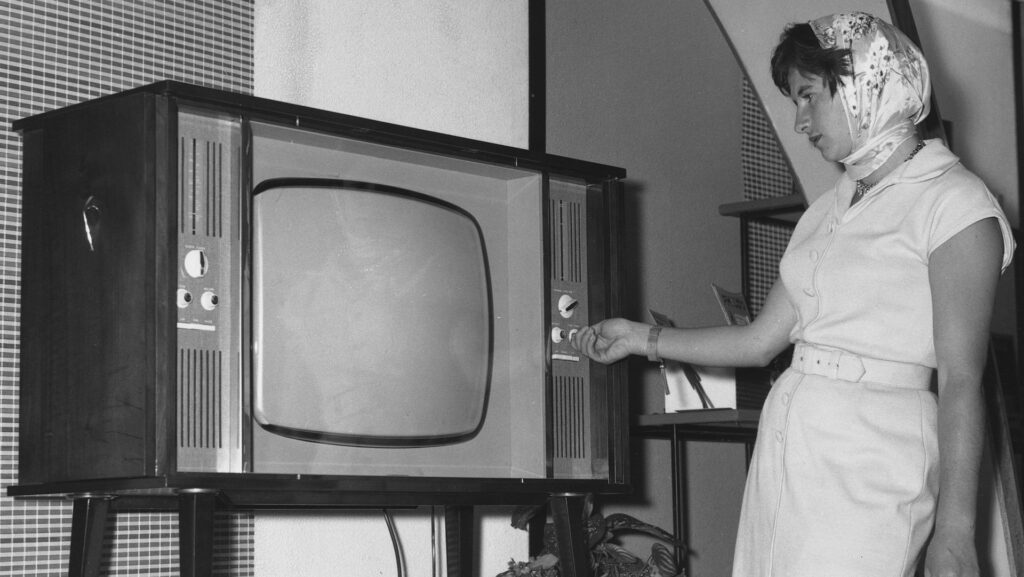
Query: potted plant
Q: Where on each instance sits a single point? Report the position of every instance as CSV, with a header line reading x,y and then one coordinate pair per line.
x,y
608,558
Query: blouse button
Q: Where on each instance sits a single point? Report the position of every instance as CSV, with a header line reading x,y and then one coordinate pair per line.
x,y
814,256
778,436
809,292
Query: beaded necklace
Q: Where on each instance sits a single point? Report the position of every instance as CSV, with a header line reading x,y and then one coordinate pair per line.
x,y
863,187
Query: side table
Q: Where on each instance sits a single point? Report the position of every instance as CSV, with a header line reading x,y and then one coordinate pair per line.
x,y
716,425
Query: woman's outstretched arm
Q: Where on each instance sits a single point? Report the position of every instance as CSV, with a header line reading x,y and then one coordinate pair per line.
x,y
755,344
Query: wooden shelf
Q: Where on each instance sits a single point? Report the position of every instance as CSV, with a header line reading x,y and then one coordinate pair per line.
x,y
705,424
786,209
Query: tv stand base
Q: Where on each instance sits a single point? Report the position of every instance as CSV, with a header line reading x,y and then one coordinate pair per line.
x,y
196,508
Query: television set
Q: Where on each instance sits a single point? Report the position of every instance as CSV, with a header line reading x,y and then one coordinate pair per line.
x,y
221,286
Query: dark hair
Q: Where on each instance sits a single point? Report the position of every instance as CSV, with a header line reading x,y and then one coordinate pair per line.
x,y
799,49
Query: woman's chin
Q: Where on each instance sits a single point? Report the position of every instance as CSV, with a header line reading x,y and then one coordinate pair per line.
x,y
829,156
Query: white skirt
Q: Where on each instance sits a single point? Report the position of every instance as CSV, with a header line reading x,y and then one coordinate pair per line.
x,y
844,477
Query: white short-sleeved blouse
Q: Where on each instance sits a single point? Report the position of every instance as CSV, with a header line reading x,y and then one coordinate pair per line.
x,y
858,276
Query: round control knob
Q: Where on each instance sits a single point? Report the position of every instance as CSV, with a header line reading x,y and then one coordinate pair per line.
x,y
196,263
567,305
209,300
557,334
184,298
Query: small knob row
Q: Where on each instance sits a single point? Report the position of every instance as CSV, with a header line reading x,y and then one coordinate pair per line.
x,y
208,300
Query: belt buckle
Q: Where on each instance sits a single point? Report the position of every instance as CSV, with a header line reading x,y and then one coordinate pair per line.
x,y
849,367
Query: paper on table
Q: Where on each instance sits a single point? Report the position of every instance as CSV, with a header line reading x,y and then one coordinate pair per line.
x,y
689,387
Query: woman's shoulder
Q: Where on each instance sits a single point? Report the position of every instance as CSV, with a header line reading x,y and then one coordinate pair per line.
x,y
936,178
952,197
955,186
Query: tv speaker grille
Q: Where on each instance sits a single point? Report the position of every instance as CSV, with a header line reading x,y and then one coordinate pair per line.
x,y
201,187
566,240
199,399
570,417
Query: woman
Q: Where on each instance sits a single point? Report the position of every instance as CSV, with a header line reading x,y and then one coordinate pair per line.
x,y
889,277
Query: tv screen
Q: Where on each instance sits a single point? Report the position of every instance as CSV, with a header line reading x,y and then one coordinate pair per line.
x,y
371,315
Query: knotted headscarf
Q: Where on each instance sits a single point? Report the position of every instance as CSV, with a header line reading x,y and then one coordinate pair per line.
x,y
890,91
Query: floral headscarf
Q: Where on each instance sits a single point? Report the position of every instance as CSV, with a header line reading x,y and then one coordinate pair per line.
x,y
890,91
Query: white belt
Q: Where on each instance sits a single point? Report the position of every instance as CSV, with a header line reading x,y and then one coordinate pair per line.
x,y
845,366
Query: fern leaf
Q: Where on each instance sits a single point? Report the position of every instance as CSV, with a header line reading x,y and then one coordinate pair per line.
x,y
664,560
617,552
522,514
620,522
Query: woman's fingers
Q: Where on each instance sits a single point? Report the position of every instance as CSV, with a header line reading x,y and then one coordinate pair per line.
x,y
584,340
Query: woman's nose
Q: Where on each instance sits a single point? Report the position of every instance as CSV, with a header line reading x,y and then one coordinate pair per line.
x,y
801,122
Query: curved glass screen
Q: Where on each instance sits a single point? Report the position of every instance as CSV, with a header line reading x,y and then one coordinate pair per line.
x,y
371,315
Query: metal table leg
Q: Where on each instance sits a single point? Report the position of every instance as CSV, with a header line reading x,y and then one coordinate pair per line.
x,y
89,516
567,510
195,532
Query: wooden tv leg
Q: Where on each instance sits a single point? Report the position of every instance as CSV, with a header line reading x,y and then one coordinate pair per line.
x,y
567,510
88,517
458,535
195,532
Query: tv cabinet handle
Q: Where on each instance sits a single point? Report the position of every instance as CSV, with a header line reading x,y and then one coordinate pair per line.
x,y
91,213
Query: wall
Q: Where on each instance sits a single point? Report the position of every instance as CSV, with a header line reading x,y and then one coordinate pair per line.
x,y
657,91
453,67
52,54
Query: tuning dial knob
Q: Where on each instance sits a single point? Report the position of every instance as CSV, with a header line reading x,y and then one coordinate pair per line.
x,y
196,264
567,306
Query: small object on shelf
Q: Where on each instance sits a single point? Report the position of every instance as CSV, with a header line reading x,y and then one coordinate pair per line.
x,y
691,387
685,387
734,306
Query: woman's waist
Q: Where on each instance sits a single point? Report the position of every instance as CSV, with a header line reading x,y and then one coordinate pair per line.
x,y
843,365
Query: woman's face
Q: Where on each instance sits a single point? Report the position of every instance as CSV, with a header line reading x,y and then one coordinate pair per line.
x,y
820,115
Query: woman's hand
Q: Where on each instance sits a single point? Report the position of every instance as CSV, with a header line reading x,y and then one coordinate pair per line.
x,y
951,556
611,340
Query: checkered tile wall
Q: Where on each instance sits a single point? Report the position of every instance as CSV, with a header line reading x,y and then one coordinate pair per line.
x,y
766,174
56,53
